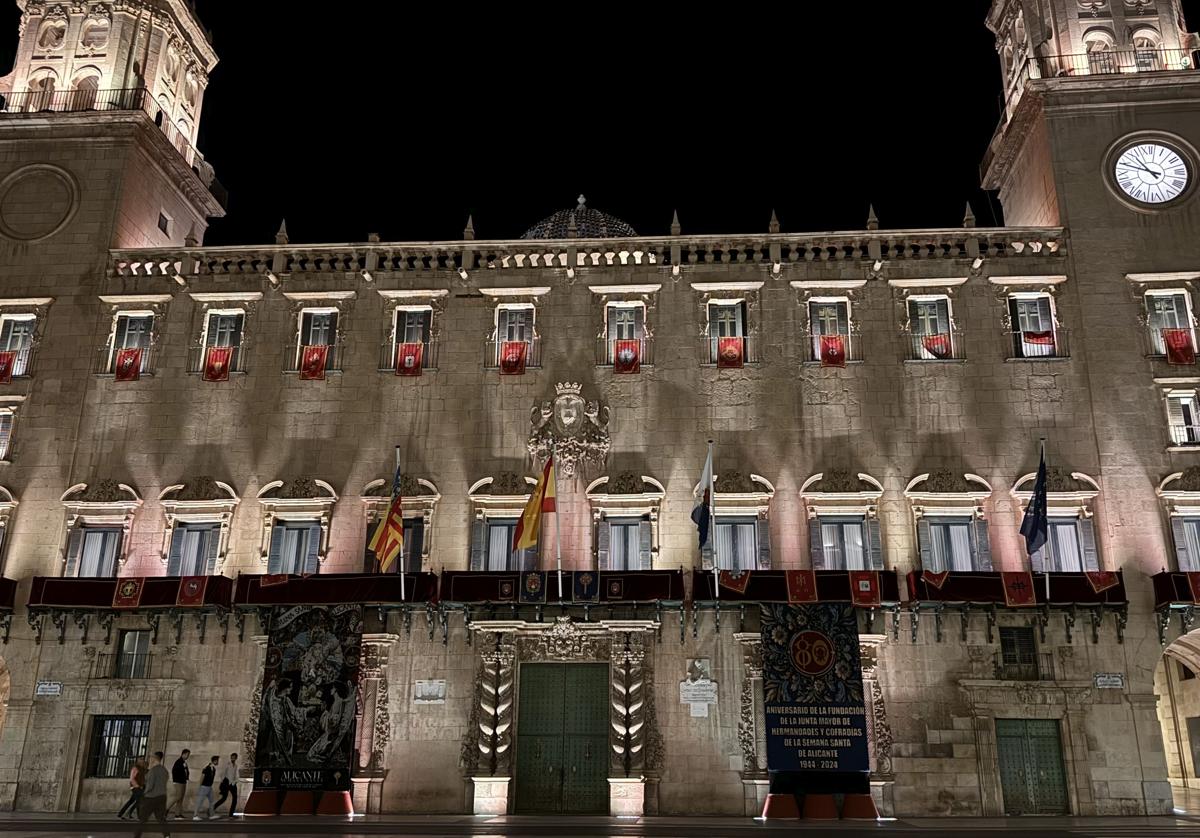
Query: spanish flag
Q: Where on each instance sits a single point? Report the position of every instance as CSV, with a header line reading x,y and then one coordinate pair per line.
x,y
529,528
388,542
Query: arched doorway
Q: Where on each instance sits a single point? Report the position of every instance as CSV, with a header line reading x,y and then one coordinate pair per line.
x,y
1177,685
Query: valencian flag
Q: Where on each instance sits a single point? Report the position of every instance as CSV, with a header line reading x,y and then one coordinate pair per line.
x,y
939,346
702,513
388,541
312,363
216,363
127,365
627,356
410,358
1180,351
833,350
1036,526
128,593
512,357
729,353
8,360
529,528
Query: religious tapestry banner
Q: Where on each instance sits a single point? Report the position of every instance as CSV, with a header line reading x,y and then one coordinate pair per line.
x,y
127,366
1180,351
8,360
313,361
833,350
813,689
513,355
731,353
410,359
309,696
627,357
128,593
216,363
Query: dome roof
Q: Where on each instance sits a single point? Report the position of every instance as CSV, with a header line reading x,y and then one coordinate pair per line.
x,y
589,224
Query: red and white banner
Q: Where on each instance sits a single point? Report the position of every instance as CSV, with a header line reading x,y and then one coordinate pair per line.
x,y
8,360
935,578
512,357
216,363
313,360
801,585
127,365
627,357
128,593
1102,580
734,580
833,350
731,353
410,358
1178,343
191,591
1037,344
1018,588
864,588
939,346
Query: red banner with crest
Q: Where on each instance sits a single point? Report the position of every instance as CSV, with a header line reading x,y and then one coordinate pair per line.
x,y
313,360
410,358
1018,588
8,360
191,591
216,363
939,346
127,365
512,357
1180,351
833,350
128,593
801,585
731,353
627,357
864,588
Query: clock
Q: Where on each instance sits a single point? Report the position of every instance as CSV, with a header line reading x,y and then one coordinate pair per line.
x,y
1151,174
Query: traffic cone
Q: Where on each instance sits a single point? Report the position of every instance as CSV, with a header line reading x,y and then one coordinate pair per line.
x,y
820,807
780,807
859,807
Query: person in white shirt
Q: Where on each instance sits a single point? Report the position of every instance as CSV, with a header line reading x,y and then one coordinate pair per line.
x,y
229,786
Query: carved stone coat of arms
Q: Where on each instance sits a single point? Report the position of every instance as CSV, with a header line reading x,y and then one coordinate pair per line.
x,y
572,429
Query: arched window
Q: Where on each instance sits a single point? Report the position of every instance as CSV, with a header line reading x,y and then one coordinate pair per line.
x,y
93,37
51,35
191,90
1146,47
41,91
87,89
1098,43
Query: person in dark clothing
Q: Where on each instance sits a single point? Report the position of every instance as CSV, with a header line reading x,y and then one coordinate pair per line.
x,y
137,784
205,792
154,800
179,781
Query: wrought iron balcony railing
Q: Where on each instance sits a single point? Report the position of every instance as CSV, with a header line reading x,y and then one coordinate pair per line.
x,y
1116,61
492,351
1184,433
1040,668
712,348
238,361
106,360
138,665
389,355
118,99
824,349
607,350
1033,346
948,346
293,356
1176,345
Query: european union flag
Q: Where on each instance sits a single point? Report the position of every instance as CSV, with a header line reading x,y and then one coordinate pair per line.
x,y
1036,526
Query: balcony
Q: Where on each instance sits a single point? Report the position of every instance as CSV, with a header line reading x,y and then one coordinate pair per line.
x,y
606,351
851,348
1039,667
129,666
36,102
934,348
1039,346
332,588
158,593
106,361
389,355
1184,434
293,354
579,586
974,588
710,351
533,353
1116,62
1176,346
238,361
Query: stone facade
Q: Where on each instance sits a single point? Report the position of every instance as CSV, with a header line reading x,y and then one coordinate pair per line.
x,y
83,199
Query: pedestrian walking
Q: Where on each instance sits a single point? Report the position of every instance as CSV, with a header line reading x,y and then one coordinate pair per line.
x,y
154,798
137,784
205,792
229,786
179,781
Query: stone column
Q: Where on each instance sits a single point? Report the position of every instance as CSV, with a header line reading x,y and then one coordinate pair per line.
x,y
752,730
879,730
490,763
627,733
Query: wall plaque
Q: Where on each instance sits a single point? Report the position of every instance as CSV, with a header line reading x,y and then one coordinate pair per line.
x,y
48,688
429,692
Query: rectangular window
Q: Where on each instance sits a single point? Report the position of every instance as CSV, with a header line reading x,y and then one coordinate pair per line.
x,y
950,544
6,426
500,555
295,547
1034,334
625,321
844,543
516,324
829,317
318,327
737,543
624,543
194,549
224,328
1183,417
412,326
1187,543
16,336
164,224
1064,552
726,320
116,742
133,655
414,546
931,329
1166,311
1018,653
93,552
132,330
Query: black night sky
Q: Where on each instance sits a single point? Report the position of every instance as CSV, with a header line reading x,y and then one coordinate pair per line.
x,y
401,120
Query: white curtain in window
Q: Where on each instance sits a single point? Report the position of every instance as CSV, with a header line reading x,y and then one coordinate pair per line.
x,y
624,545
293,550
939,548
499,546
852,538
1191,531
832,547
960,546
747,547
98,557
1064,538
725,542
193,563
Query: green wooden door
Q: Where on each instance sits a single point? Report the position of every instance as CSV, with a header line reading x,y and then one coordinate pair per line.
x,y
1031,767
562,739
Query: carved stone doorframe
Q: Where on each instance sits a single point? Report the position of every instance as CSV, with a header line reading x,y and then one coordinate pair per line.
x,y
752,735
635,746
374,722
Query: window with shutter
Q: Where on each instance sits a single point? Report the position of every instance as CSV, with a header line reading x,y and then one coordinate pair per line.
x,y
193,549
1183,416
412,325
1171,310
828,317
16,335
1186,532
1032,318
625,541
99,550
737,543
950,543
983,547
1064,546
224,328
725,320
603,545
499,552
131,331
623,322
6,425
844,543
479,545
645,545
295,547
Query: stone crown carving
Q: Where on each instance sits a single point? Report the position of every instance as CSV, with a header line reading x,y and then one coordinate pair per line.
x,y
201,488
1060,480
410,487
841,481
735,482
571,428
301,487
945,482
1189,481
103,491
628,483
509,483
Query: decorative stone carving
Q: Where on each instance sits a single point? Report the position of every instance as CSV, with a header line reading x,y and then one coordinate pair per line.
x,y
103,491
655,748
382,730
841,481
300,487
734,483
1060,480
200,488
1189,481
751,719
943,481
250,732
494,717
627,483
628,723
564,641
882,731
508,483
572,429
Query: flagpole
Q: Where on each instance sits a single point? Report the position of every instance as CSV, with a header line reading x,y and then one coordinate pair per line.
x,y
1045,564
712,521
557,523
403,596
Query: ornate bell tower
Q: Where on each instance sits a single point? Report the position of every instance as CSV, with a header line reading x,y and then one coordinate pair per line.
x,y
98,122
1104,65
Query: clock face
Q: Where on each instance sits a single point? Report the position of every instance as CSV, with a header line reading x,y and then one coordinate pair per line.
x,y
1152,173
